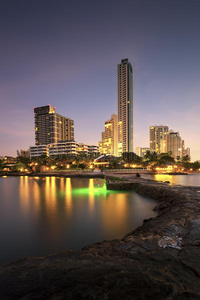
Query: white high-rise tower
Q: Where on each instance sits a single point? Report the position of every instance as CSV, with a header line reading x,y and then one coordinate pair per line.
x,y
125,106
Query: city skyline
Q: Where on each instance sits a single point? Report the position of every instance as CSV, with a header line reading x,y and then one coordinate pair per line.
x,y
66,54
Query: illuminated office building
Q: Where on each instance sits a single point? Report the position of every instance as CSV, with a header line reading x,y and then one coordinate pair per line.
x,y
125,106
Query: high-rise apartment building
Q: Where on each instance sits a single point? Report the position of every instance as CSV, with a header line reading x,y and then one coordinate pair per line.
x,y
125,106
174,144
163,140
157,137
109,141
51,127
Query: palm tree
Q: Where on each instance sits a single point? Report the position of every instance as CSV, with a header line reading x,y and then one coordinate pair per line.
x,y
114,163
185,158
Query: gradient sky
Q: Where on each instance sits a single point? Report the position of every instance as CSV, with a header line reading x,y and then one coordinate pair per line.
x,y
65,53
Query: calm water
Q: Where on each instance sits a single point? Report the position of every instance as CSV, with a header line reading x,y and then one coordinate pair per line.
x,y
188,180
40,216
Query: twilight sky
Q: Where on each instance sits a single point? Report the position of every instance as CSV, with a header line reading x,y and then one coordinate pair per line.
x,y
65,53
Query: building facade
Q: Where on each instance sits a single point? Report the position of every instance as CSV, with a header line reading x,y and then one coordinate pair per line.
x,y
125,106
62,148
163,140
174,144
38,150
109,137
141,151
93,150
186,152
157,138
51,127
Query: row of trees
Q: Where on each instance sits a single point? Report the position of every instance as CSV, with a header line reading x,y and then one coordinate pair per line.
x,y
160,160
84,161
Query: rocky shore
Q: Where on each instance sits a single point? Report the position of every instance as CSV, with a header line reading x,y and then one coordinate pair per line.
x,y
64,174
159,260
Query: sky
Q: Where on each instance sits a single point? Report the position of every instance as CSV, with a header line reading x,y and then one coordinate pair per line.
x,y
65,53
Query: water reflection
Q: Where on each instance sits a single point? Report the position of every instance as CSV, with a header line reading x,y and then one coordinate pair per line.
x,y
115,216
47,188
36,195
190,180
68,195
52,199
50,214
24,193
91,195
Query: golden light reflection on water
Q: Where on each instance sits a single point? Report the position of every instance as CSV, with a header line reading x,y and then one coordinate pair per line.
x,y
58,213
52,199
62,184
91,195
68,194
36,195
184,179
114,212
114,207
24,193
47,188
165,177
160,177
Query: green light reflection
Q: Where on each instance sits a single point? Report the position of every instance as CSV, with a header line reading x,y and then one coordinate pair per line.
x,y
89,190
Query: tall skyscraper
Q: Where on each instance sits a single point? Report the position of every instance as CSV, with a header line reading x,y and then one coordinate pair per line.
x,y
51,127
125,106
108,144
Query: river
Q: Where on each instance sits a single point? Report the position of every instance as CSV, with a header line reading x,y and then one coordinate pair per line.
x,y
41,216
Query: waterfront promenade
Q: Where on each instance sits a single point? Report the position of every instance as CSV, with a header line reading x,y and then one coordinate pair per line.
x,y
159,260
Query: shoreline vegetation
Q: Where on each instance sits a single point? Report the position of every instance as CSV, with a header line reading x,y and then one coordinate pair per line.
x,y
158,260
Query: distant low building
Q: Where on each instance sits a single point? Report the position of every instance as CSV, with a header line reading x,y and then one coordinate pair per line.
x,y
23,153
62,148
38,150
83,149
93,149
8,159
141,151
186,152
103,160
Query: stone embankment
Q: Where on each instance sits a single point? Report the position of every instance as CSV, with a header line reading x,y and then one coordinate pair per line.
x,y
159,260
